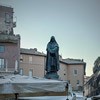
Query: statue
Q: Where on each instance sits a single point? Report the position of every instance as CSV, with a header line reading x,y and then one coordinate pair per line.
x,y
52,59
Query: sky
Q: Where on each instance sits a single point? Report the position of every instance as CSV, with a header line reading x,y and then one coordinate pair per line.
x,y
74,23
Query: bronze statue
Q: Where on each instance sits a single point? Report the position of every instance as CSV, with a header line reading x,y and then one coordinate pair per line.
x,y
52,59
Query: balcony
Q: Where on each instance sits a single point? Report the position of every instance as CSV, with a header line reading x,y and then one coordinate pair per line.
x,y
9,38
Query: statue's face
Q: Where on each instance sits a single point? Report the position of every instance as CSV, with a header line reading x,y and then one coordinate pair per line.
x,y
52,39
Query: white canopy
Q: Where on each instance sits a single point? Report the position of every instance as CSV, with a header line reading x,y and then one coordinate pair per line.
x,y
25,84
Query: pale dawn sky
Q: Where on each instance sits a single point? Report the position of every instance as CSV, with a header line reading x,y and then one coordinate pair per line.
x,y
74,23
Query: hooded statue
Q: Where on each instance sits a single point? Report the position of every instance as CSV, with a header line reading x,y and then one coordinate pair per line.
x,y
52,59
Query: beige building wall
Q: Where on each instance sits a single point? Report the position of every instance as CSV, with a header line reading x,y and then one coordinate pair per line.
x,y
33,63
10,53
75,75
37,64
63,71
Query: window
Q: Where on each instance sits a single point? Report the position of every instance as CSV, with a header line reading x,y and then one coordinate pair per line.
x,y
21,58
7,18
2,63
78,81
2,48
75,72
30,59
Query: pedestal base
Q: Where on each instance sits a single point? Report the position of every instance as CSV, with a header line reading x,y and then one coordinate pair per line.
x,y
52,75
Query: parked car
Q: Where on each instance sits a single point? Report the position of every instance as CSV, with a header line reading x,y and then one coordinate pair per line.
x,y
96,97
71,96
79,96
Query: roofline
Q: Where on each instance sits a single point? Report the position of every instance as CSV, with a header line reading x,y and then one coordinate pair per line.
x,y
6,6
59,60
73,63
32,54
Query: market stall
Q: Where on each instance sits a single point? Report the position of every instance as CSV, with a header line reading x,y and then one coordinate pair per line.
x,y
15,86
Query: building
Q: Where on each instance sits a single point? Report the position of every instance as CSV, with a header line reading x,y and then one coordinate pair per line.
x,y
9,42
6,20
92,86
75,72
86,78
32,63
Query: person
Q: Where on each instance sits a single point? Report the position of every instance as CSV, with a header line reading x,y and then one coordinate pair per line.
x,y
52,59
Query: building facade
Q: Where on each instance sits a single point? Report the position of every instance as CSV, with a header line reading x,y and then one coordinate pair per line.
x,y
6,20
32,63
92,86
9,42
75,73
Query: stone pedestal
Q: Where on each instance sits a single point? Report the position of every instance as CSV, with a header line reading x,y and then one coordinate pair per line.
x,y
52,75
